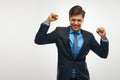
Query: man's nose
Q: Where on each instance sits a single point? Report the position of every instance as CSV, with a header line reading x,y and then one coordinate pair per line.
x,y
76,22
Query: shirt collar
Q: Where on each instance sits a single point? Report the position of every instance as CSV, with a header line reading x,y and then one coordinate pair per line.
x,y
71,31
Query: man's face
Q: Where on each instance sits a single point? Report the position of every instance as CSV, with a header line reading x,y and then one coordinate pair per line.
x,y
76,21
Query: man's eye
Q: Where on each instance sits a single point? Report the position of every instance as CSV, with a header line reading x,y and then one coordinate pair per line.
x,y
79,20
73,19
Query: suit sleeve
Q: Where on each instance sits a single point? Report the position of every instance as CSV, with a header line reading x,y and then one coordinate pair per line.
x,y
100,49
42,37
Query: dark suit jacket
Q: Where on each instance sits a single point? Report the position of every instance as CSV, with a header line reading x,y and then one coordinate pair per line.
x,y
60,36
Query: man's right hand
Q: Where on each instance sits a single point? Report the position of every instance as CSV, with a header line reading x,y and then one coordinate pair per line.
x,y
52,17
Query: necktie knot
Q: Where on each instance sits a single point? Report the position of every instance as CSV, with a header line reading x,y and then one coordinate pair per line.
x,y
75,33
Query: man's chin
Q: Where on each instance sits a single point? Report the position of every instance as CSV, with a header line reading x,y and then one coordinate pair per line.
x,y
76,30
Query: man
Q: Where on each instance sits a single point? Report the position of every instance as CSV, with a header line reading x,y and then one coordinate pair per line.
x,y
73,44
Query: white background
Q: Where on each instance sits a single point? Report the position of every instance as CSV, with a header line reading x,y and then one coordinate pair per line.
x,y
21,59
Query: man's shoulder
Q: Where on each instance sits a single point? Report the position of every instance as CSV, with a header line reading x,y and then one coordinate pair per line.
x,y
60,28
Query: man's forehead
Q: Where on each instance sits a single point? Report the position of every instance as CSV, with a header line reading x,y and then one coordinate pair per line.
x,y
76,16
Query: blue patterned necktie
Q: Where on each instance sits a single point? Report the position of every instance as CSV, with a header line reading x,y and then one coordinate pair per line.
x,y
75,50
75,45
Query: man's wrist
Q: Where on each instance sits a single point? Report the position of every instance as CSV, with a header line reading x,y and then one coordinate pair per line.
x,y
46,23
104,39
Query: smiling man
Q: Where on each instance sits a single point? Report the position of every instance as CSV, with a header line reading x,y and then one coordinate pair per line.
x,y
73,44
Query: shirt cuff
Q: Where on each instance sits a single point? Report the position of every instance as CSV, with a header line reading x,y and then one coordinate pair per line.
x,y
105,40
45,23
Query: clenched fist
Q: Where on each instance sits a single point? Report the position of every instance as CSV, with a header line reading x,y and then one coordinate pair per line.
x,y
52,17
101,31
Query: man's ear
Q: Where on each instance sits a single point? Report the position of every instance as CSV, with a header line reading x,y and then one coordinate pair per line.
x,y
69,18
83,20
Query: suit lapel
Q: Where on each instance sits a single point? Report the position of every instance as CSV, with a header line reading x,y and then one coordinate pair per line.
x,y
85,37
66,40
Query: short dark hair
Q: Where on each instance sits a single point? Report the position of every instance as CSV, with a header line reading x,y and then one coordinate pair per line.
x,y
75,10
